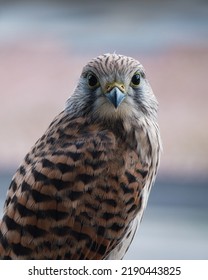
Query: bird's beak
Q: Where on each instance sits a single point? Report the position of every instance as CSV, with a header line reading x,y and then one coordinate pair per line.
x,y
115,93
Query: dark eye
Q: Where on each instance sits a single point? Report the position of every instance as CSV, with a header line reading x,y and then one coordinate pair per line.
x,y
92,80
135,81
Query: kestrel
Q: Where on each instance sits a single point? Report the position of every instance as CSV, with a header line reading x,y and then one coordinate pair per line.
x,y
81,190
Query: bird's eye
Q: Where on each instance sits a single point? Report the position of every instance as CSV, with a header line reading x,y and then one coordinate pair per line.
x,y
135,81
92,80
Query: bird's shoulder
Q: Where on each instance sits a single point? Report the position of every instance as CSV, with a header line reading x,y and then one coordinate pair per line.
x,y
77,178
74,152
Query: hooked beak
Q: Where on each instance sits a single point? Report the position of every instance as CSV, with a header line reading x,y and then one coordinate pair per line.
x,y
115,93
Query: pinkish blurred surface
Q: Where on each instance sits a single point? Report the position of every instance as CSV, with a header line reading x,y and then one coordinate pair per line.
x,y
38,77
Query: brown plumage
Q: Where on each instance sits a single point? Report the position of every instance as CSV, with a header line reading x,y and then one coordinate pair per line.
x,y
81,190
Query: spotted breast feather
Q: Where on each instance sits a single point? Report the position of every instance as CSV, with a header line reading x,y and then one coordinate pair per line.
x,y
73,199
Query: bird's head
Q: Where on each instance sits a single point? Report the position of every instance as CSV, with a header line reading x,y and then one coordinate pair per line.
x,y
113,86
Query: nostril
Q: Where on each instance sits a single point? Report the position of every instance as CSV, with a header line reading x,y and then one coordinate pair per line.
x,y
108,88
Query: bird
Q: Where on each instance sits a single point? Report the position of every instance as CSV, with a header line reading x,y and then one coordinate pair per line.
x,y
81,190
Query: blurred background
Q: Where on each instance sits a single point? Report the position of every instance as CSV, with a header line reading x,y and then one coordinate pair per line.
x,y
43,47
